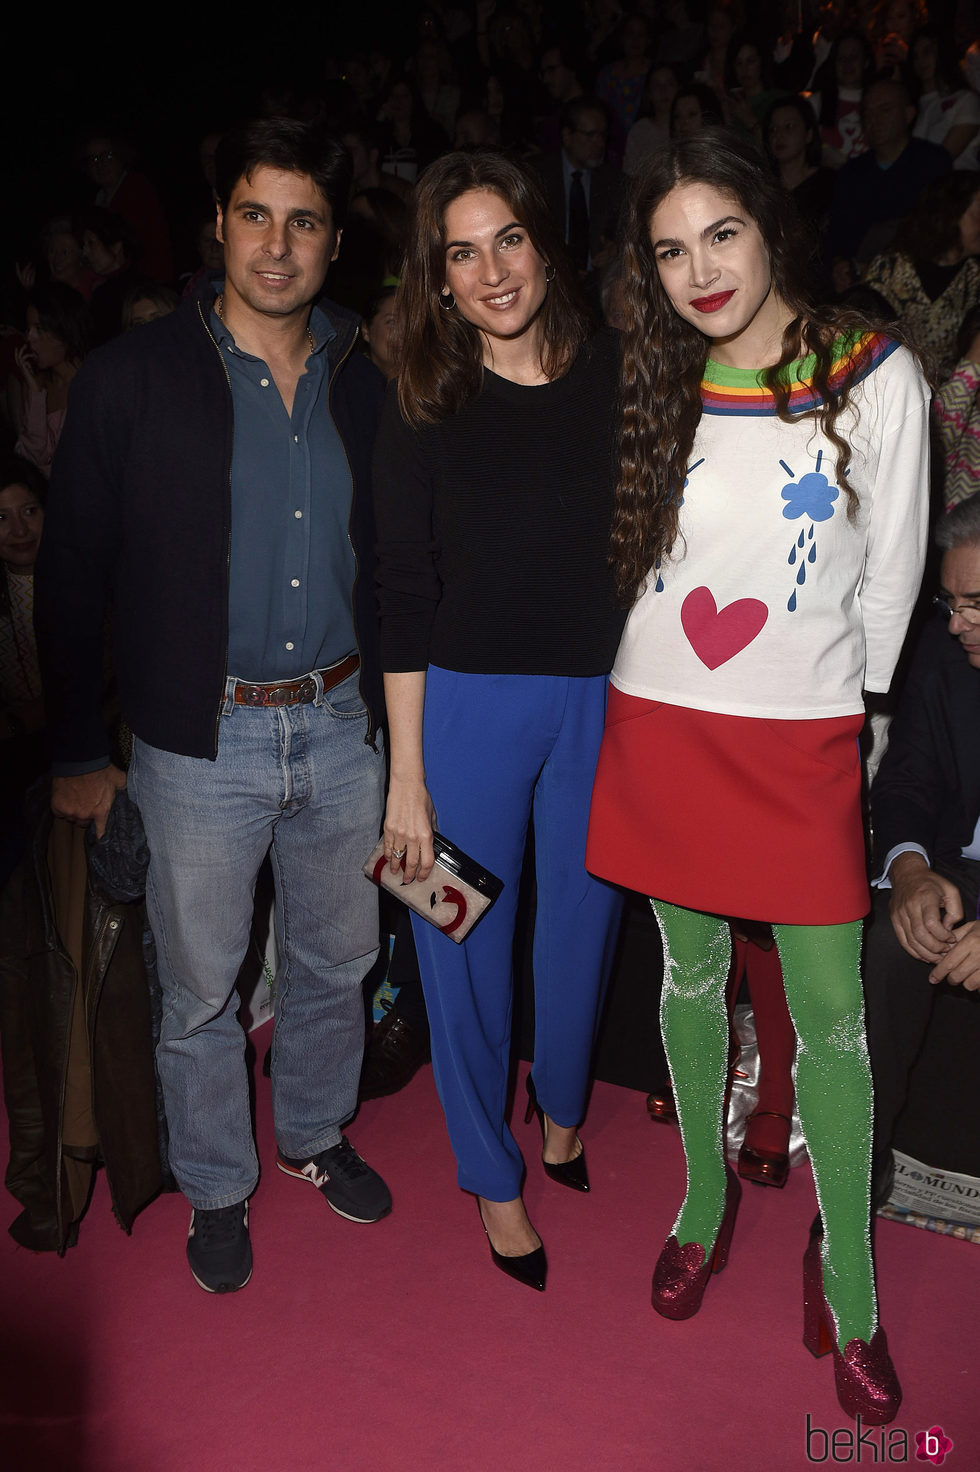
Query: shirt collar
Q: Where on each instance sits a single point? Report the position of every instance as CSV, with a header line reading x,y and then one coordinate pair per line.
x,y
322,328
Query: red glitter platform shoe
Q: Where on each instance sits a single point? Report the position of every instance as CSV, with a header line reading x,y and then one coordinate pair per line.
x,y
867,1385
682,1273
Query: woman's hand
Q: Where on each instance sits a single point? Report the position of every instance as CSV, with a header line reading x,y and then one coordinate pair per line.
x,y
409,821
25,361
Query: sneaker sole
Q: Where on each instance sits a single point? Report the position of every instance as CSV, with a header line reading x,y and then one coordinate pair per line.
x,y
297,1175
225,1287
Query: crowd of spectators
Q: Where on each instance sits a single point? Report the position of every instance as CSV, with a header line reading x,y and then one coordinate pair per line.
x,y
869,114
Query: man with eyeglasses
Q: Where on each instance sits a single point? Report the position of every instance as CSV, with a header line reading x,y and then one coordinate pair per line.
x,y
923,945
108,162
585,194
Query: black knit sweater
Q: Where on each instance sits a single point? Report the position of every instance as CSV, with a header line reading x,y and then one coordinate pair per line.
x,y
493,527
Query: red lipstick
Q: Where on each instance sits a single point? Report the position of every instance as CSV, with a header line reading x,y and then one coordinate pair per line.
x,y
712,303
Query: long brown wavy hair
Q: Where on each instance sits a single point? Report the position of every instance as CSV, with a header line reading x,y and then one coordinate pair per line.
x,y
441,363
664,356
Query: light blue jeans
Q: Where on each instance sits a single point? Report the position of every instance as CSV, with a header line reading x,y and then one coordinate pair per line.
x,y
301,781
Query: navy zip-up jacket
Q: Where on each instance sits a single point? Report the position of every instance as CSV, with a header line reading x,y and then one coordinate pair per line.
x,y
139,518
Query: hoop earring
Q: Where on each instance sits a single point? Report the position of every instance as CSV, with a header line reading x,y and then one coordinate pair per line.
x,y
446,301
549,274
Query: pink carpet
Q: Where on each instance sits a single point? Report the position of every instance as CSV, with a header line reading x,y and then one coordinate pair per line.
x,y
399,1347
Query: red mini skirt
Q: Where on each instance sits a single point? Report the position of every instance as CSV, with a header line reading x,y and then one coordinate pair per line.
x,y
731,815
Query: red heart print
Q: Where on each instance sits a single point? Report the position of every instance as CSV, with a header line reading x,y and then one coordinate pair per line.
x,y
717,635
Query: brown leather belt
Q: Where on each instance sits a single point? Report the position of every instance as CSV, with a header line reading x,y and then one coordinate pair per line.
x,y
295,692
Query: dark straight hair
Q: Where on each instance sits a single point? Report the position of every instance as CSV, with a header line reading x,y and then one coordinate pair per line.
x,y
807,117
290,145
16,471
442,353
64,312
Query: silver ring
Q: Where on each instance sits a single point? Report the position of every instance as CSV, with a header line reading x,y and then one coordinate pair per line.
x,y
399,853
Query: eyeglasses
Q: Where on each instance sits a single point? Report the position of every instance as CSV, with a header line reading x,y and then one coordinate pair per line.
x,y
99,158
970,612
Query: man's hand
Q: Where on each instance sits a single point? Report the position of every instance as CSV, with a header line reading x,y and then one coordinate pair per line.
x,y
924,908
961,964
87,798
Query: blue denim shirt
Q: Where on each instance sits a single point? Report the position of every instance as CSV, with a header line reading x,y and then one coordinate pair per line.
x,y
292,566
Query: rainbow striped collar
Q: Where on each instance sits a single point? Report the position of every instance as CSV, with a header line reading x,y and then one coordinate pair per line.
x,y
739,391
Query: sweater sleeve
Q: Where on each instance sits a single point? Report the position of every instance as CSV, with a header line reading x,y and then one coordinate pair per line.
x,y
899,515
409,587
82,530
39,431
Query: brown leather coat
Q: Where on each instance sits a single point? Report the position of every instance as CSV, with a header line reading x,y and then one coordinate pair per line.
x,y
76,1026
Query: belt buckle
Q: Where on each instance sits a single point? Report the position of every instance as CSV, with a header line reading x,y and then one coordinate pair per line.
x,y
280,695
306,691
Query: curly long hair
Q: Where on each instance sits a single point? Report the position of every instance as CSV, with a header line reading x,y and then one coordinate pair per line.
x,y
442,353
664,356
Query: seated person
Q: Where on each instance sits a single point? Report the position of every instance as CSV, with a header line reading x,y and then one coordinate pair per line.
x,y
584,193
108,161
925,806
931,279
957,416
874,192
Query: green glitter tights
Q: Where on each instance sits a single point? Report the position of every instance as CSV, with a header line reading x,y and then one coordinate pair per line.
x,y
821,972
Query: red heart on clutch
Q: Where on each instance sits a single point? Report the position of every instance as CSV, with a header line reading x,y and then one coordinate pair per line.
x,y
717,635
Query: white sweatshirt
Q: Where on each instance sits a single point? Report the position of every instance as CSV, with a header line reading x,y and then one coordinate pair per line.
x,y
773,603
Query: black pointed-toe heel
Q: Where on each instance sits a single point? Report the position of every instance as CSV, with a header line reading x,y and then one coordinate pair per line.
x,y
531,1268
571,1173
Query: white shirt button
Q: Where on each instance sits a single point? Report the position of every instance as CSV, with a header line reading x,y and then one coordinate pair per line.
x,y
294,583
298,515
289,644
295,439
264,382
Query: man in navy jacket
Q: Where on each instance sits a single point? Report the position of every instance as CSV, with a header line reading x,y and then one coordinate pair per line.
x,y
874,192
211,488
925,804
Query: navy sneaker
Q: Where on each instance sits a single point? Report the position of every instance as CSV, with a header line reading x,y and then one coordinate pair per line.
x,y
218,1248
350,1186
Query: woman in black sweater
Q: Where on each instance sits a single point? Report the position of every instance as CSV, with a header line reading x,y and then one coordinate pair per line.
x,y
493,486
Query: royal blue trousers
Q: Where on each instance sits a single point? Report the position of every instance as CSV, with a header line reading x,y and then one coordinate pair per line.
x,y
499,749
